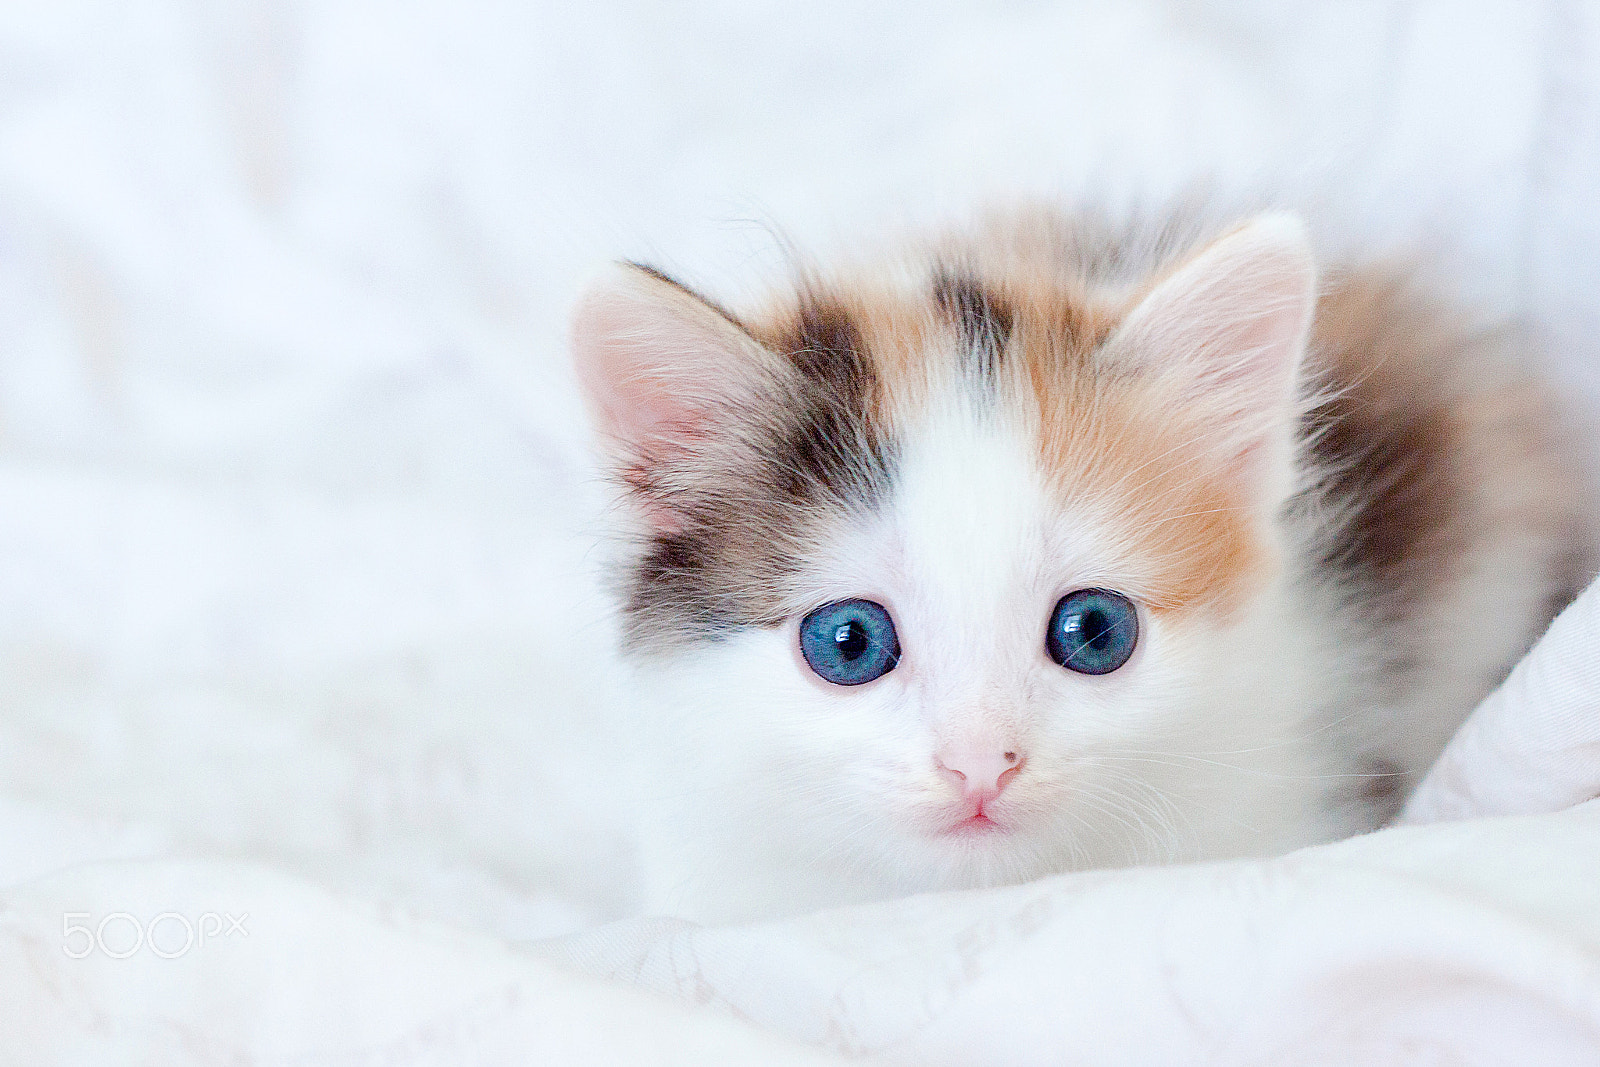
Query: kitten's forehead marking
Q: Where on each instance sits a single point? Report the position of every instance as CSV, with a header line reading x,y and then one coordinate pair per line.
x,y
981,316
1037,431
1105,446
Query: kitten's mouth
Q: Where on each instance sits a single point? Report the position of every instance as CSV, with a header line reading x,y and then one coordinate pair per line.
x,y
975,824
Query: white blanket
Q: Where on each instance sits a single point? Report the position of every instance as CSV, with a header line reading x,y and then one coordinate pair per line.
x,y
304,674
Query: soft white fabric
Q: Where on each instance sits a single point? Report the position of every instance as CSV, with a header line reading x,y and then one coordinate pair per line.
x,y
1534,745
1467,944
293,974
297,606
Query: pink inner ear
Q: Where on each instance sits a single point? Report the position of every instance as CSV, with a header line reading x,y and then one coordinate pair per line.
x,y
1254,362
644,410
661,368
1226,332
654,360
1233,320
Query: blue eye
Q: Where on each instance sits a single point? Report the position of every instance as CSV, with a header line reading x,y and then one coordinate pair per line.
x,y
1092,631
849,642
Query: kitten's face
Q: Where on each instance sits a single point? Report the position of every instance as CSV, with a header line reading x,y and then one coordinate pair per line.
x,y
942,581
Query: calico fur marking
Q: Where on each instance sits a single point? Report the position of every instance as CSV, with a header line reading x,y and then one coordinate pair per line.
x,y
751,488
1399,479
983,319
829,448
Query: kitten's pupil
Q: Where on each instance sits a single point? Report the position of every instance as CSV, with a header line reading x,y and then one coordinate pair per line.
x,y
1091,628
851,639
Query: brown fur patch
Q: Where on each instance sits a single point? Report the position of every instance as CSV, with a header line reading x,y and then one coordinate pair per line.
x,y
1433,443
904,343
1383,790
1390,443
983,319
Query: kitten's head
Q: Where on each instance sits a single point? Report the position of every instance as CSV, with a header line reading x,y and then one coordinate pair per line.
x,y
937,574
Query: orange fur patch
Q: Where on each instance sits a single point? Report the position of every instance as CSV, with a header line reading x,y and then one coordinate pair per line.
x,y
1117,446
1135,467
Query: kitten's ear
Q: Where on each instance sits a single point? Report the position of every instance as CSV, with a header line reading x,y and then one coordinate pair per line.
x,y
658,363
1229,329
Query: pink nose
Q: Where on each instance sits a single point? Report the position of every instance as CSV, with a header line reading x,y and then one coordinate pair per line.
x,y
981,771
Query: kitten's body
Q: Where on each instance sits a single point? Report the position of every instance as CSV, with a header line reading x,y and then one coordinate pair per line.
x,y
1341,527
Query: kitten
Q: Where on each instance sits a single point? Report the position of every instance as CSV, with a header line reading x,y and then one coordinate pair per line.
x,y
1049,546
